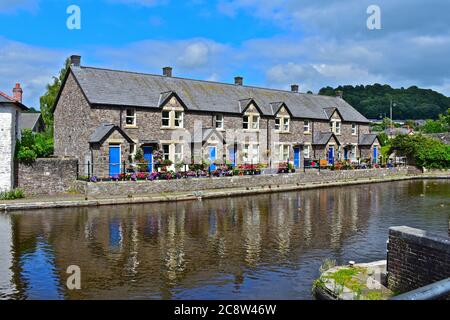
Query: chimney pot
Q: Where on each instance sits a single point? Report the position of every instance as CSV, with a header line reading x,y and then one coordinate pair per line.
x,y
17,93
295,88
239,81
167,71
75,60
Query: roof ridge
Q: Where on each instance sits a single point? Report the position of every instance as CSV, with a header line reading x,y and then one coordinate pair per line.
x,y
7,96
207,81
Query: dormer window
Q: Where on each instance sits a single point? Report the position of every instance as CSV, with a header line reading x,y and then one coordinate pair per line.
x,y
172,119
282,124
255,122
335,126
130,117
251,122
178,121
166,119
246,122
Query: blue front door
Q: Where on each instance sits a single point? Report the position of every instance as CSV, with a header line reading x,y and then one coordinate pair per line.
x,y
233,156
375,155
331,156
212,157
297,158
148,156
114,160
345,154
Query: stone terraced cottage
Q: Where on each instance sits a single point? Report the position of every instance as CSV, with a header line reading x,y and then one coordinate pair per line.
x,y
104,116
11,109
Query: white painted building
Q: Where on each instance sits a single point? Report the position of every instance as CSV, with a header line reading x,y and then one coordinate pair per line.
x,y
10,110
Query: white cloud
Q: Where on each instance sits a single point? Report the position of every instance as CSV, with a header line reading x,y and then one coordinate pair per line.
x,y
32,66
144,3
8,6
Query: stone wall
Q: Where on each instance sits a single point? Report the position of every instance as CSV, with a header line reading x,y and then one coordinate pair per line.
x,y
416,259
47,176
198,184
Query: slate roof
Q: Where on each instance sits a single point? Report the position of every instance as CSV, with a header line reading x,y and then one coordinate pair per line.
x,y
367,139
29,120
110,87
104,130
322,138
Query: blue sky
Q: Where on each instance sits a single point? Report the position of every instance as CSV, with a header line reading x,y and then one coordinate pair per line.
x,y
270,43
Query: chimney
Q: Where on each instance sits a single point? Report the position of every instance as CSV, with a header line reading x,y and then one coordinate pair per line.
x,y
294,88
167,71
239,81
75,60
340,94
17,93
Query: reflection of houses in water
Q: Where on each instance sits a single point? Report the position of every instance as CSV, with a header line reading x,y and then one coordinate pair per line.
x,y
151,251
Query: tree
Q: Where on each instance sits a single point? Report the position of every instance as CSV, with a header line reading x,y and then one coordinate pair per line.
x,y
424,151
374,101
48,99
32,146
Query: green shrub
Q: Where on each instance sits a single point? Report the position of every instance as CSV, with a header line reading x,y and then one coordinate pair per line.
x,y
425,152
12,195
32,146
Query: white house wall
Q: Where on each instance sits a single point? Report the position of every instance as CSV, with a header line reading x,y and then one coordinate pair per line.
x,y
7,145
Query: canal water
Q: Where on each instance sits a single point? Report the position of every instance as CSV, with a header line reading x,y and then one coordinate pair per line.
x,y
253,247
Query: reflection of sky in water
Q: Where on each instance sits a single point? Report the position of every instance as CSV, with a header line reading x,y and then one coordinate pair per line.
x,y
115,234
39,274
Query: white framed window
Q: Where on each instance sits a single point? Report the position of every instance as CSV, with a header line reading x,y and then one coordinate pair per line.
x,y
307,151
255,122
178,153
353,150
277,124
178,119
284,152
282,124
251,122
219,121
354,129
255,153
286,124
166,151
251,153
246,123
335,127
166,119
130,118
338,127
307,126
172,119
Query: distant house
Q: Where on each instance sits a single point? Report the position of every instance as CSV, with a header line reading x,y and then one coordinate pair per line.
x,y
32,121
11,109
399,131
